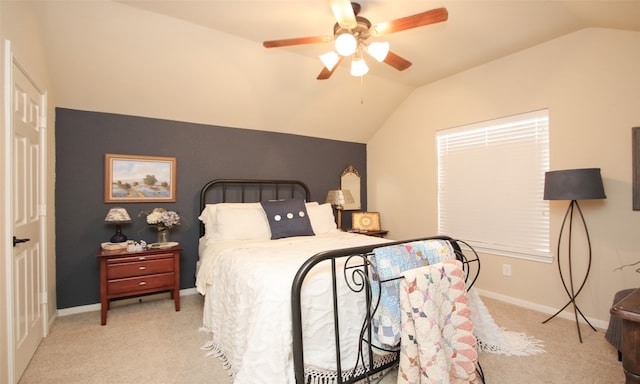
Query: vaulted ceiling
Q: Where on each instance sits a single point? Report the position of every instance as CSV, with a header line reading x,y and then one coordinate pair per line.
x,y
203,61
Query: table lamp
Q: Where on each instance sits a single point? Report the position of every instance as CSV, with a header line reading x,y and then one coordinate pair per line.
x,y
573,185
118,216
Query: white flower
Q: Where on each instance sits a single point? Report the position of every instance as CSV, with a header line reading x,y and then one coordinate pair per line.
x,y
162,218
154,218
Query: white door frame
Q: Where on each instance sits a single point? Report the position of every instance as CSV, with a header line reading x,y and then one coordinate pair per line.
x,y
9,64
8,249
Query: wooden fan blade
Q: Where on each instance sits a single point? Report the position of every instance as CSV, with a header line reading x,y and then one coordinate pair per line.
x,y
396,61
418,20
343,12
325,73
297,41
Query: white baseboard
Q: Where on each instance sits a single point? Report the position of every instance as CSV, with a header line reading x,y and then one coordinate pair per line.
x,y
601,324
96,307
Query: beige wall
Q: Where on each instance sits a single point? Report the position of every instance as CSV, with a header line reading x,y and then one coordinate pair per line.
x,y
19,27
590,82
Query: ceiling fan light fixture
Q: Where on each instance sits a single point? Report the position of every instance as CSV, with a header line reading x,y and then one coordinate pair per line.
x,y
346,44
330,59
359,67
378,50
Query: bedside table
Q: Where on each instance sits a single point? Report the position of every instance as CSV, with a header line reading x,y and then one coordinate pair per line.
x,y
377,233
124,274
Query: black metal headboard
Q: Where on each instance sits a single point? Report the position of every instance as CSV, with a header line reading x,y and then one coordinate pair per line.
x,y
249,191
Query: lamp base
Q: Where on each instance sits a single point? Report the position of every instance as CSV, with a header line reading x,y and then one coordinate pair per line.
x,y
569,283
118,237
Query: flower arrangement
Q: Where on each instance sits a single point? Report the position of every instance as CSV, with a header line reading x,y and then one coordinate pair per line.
x,y
163,219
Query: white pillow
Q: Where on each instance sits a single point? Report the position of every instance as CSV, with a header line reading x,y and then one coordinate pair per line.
x,y
208,217
322,219
241,222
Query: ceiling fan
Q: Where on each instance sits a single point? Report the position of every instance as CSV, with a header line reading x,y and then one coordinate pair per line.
x,y
351,35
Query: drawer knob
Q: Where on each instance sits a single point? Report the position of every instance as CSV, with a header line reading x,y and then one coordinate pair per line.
x,y
142,258
142,268
142,283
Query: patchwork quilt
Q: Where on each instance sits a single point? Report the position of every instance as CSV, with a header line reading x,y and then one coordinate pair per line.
x,y
438,345
389,263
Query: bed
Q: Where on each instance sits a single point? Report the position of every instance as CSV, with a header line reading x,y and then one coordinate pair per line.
x,y
297,308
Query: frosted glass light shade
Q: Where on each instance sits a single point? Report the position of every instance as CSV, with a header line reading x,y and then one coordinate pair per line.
x,y
330,59
359,67
378,50
346,44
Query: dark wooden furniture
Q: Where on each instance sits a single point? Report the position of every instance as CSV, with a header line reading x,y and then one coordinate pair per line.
x,y
125,274
628,309
377,233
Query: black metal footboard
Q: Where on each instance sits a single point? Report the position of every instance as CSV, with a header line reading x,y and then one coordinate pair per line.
x,y
352,265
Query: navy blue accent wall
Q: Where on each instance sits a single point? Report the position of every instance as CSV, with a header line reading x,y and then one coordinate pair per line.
x,y
202,152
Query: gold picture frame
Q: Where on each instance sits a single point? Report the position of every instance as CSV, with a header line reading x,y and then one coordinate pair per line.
x,y
139,179
366,221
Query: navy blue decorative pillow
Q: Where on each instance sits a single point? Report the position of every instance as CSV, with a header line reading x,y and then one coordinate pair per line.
x,y
287,218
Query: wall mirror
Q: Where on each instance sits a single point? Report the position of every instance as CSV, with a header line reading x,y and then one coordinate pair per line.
x,y
350,180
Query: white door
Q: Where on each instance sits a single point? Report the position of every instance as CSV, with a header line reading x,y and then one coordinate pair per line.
x,y
28,107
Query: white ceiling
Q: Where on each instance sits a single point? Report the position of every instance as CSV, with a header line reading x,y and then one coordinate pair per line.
x,y
277,90
477,31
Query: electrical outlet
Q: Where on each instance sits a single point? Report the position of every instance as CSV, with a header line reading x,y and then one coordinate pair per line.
x,y
506,269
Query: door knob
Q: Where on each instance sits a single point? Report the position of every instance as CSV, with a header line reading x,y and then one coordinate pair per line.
x,y
18,241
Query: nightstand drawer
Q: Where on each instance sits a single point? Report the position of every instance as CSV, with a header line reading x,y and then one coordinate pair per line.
x,y
141,257
139,268
134,285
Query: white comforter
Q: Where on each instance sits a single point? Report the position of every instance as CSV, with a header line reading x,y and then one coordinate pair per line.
x,y
247,288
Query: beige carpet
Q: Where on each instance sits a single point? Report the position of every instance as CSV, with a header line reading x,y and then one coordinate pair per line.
x,y
149,342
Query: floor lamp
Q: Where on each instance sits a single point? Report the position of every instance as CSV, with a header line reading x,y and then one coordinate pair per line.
x,y
574,185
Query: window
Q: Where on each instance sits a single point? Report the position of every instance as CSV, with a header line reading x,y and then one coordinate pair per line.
x,y
491,183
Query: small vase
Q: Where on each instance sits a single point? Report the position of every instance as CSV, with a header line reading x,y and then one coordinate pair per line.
x,y
163,236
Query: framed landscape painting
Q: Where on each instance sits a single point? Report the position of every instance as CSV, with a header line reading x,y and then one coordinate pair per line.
x,y
139,179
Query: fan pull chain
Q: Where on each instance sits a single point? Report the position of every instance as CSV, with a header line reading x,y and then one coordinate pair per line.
x,y
361,90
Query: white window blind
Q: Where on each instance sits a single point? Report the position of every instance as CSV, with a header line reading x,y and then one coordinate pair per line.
x,y
491,183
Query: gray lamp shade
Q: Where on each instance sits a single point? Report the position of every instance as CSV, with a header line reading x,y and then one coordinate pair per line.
x,y
574,184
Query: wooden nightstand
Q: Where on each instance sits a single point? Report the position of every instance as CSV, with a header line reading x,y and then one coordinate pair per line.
x,y
124,274
377,233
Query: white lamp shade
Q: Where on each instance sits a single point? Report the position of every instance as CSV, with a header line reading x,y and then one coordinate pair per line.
x,y
339,197
346,44
378,50
117,215
330,59
359,67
